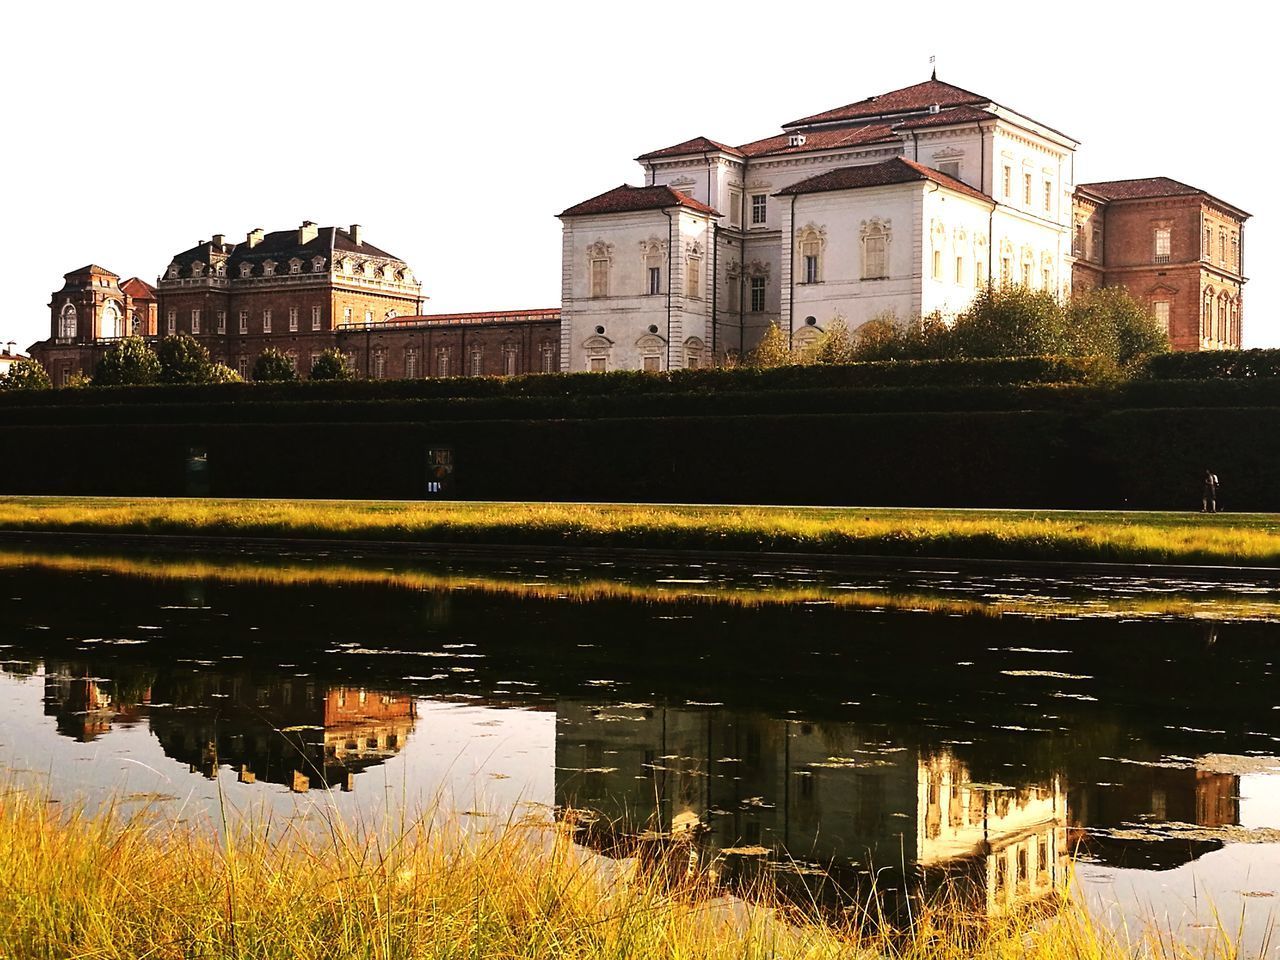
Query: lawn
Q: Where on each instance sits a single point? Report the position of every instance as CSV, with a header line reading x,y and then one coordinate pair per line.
x,y
1126,537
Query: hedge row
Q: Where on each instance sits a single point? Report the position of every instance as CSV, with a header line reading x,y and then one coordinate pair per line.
x,y
1214,364
937,373
1135,394
1037,458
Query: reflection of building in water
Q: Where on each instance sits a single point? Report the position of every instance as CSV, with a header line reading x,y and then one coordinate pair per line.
x,y
797,797
1149,796
86,706
291,731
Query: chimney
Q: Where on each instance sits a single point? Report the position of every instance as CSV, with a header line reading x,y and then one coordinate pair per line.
x,y
219,239
11,348
253,237
355,234
307,232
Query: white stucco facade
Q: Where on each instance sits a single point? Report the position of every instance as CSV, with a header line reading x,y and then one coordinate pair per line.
x,y
994,206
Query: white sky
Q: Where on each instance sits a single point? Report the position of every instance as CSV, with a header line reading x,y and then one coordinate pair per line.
x,y
454,133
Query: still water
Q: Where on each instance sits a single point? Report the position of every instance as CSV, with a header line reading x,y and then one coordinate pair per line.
x,y
1014,739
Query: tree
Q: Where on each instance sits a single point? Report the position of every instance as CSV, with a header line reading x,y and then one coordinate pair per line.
x,y
128,361
835,345
272,365
330,365
1109,317
221,373
1012,321
773,350
182,360
26,374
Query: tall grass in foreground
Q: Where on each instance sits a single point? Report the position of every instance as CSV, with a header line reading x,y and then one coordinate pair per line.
x,y
1008,534
141,886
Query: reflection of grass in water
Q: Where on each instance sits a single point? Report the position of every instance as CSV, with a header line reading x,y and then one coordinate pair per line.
x,y
1217,606
120,886
1018,534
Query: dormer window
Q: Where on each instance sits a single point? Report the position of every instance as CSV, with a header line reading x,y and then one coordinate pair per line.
x,y
295,265
220,268
173,271
197,269
268,268
796,140
346,264
317,264
246,270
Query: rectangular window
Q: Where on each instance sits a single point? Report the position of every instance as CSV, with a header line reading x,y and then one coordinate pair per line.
x,y
735,208
734,290
759,209
1006,269
810,268
1008,181
315,318
293,319
1026,275
1096,253
242,367
979,273
652,364
379,364
368,316
477,363
950,168
266,321
442,363
655,280
959,270
1160,310
937,264
244,321
171,322
548,358
1048,196
1222,247
509,362
875,261
222,321
1026,189
757,294
195,321
411,363
599,278
1208,243
1162,244
1077,244
693,280
597,364
346,314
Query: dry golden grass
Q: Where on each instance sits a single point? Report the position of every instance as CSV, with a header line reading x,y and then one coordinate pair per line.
x,y
140,886
1252,539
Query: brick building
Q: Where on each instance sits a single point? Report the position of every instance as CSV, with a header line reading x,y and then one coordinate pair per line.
x,y
1176,248
298,291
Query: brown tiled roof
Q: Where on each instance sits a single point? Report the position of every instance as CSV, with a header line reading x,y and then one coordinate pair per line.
x,y
487,316
138,288
919,96
945,117
821,140
1140,189
689,147
626,198
885,173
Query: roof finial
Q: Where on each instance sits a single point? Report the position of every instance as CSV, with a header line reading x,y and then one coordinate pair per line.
x,y
933,68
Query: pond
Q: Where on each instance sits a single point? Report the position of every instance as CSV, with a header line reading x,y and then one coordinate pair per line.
x,y
1008,738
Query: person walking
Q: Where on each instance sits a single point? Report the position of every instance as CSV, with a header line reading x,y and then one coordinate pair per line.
x,y
1209,498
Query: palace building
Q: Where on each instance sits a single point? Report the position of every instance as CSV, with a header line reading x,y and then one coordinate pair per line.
x,y
301,292
903,205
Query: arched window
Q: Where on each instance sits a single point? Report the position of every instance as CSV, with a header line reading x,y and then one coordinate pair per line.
x,y
693,272
547,350
694,350
510,359
411,362
1224,317
654,253
442,361
111,320
379,363
875,249
67,321
475,364
599,256
1206,315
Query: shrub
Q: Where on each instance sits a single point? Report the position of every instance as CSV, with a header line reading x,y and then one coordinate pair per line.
x,y
773,350
221,373
1108,322
26,374
1214,365
330,365
273,366
130,361
182,360
835,344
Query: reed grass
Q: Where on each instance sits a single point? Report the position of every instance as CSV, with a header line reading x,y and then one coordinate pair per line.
x,y
1175,538
144,886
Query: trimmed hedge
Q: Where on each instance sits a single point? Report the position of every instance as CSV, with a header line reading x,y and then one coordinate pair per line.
x,y
913,373
1214,364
